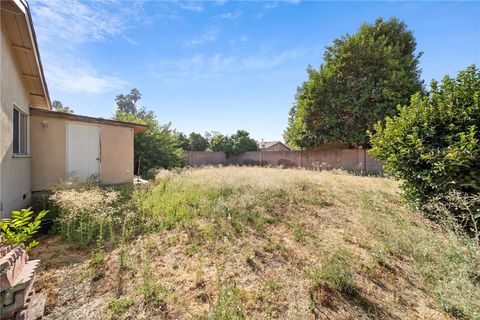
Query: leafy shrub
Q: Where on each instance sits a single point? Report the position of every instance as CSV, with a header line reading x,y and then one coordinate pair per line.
x,y
433,145
21,227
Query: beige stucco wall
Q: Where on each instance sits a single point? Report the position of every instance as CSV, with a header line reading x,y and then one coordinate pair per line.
x,y
331,145
348,159
14,172
48,148
49,163
116,153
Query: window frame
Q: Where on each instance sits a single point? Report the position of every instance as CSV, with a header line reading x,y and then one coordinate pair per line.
x,y
22,146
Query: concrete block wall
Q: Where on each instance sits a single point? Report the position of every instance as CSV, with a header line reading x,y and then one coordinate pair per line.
x,y
204,158
347,159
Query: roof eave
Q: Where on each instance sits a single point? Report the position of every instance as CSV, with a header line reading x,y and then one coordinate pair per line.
x,y
137,128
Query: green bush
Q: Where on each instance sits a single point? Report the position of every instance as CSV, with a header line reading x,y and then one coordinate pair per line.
x,y
433,144
21,228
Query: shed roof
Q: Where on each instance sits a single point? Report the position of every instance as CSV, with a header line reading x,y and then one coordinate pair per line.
x,y
138,128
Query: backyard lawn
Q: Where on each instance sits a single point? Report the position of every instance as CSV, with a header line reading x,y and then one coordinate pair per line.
x,y
263,243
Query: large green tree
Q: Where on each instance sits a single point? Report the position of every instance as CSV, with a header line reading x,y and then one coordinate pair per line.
x,y
235,144
242,142
197,142
158,146
127,103
363,79
220,142
184,143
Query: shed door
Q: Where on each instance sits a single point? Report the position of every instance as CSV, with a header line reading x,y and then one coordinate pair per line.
x,y
83,150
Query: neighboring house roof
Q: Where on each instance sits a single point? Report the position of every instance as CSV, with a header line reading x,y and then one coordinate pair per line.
x,y
15,15
268,144
138,128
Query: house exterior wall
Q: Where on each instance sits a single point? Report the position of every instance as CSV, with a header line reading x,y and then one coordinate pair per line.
x,y
48,148
49,161
116,153
14,172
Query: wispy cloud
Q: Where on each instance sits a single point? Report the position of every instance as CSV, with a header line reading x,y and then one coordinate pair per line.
x,y
268,5
72,75
190,69
63,25
274,4
270,61
209,35
230,15
191,6
202,66
70,22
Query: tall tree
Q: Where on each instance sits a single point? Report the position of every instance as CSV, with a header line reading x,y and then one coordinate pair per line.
x,y
241,142
60,107
183,141
365,76
197,142
127,103
220,142
158,146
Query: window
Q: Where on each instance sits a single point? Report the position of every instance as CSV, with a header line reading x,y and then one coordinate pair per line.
x,y
19,132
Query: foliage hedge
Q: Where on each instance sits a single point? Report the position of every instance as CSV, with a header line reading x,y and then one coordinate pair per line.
x,y
433,144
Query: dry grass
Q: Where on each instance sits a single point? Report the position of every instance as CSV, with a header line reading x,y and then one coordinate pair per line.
x,y
264,243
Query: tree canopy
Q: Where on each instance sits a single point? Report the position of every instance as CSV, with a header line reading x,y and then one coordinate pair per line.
x,y
235,144
220,142
158,146
363,79
127,103
60,107
196,142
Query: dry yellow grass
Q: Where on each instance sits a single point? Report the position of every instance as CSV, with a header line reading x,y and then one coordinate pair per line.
x,y
265,243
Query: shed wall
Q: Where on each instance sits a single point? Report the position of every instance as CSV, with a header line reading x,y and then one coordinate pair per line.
x,y
116,153
49,161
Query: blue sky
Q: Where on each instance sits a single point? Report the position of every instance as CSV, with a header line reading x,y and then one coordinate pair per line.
x,y
223,65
